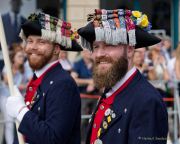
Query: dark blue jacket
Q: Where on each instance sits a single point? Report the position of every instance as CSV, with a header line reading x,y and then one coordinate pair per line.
x,y
55,116
141,116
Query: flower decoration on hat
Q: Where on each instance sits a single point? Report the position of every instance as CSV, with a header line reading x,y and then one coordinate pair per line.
x,y
117,26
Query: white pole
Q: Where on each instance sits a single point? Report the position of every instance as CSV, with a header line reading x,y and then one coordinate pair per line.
x,y
8,68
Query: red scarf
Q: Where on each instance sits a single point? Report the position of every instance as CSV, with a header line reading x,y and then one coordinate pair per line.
x,y
33,86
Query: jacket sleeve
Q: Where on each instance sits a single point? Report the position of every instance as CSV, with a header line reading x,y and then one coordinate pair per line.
x,y
62,115
149,125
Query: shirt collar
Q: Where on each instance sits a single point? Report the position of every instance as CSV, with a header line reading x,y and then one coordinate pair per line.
x,y
41,71
121,82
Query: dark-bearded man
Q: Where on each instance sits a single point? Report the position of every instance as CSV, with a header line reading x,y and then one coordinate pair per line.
x,y
130,111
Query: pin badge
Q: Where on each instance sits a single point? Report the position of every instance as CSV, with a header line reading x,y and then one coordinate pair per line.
x,y
109,119
107,112
105,124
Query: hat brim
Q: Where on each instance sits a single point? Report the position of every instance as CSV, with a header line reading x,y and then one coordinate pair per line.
x,y
75,47
34,28
143,38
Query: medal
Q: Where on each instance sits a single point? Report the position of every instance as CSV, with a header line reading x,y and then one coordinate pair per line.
x,y
109,119
99,132
98,141
105,124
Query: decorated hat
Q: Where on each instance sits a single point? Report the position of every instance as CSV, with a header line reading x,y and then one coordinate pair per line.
x,y
52,29
117,27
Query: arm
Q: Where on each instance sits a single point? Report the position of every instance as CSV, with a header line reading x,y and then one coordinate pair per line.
x,y
82,81
62,113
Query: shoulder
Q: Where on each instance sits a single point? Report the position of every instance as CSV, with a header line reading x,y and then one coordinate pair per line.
x,y
143,92
58,78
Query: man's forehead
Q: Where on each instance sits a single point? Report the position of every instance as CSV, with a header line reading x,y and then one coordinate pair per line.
x,y
104,43
34,37
99,42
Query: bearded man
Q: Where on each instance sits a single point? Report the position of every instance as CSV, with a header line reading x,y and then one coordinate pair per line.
x,y
130,111
51,111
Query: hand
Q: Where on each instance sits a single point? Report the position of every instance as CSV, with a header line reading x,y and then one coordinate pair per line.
x,y
15,103
90,88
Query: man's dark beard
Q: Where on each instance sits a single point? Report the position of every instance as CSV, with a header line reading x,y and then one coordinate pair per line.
x,y
113,75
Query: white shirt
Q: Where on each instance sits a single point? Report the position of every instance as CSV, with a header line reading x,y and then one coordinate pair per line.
x,y
121,82
46,67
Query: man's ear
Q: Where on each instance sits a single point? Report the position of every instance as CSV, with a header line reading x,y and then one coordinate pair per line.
x,y
130,51
57,49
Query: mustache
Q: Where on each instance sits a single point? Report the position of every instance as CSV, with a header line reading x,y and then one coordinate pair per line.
x,y
34,52
103,59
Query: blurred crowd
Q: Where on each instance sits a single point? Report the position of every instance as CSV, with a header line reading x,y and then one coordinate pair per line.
x,y
160,64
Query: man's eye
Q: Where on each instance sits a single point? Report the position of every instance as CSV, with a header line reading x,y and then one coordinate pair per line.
x,y
95,47
108,45
29,41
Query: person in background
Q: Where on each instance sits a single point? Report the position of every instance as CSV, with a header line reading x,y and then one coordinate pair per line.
x,y
166,48
17,58
65,62
131,110
159,74
50,113
12,21
173,68
82,73
139,60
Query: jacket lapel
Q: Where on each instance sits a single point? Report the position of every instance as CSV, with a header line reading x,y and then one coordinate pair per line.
x,y
112,115
91,120
43,86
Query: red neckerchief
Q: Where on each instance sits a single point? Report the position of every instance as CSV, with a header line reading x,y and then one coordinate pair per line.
x,y
106,103
33,86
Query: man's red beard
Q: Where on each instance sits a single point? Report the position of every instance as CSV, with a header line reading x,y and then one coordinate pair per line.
x,y
37,64
108,78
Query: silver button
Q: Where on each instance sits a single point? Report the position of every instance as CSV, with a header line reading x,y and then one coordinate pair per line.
x,y
43,94
113,115
30,88
125,110
37,96
39,108
51,82
101,107
119,130
27,103
94,125
89,120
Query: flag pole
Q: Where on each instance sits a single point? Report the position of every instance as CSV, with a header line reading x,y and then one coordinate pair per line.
x,y
9,71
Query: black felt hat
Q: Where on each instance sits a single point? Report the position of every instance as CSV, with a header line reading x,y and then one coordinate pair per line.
x,y
52,29
138,36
